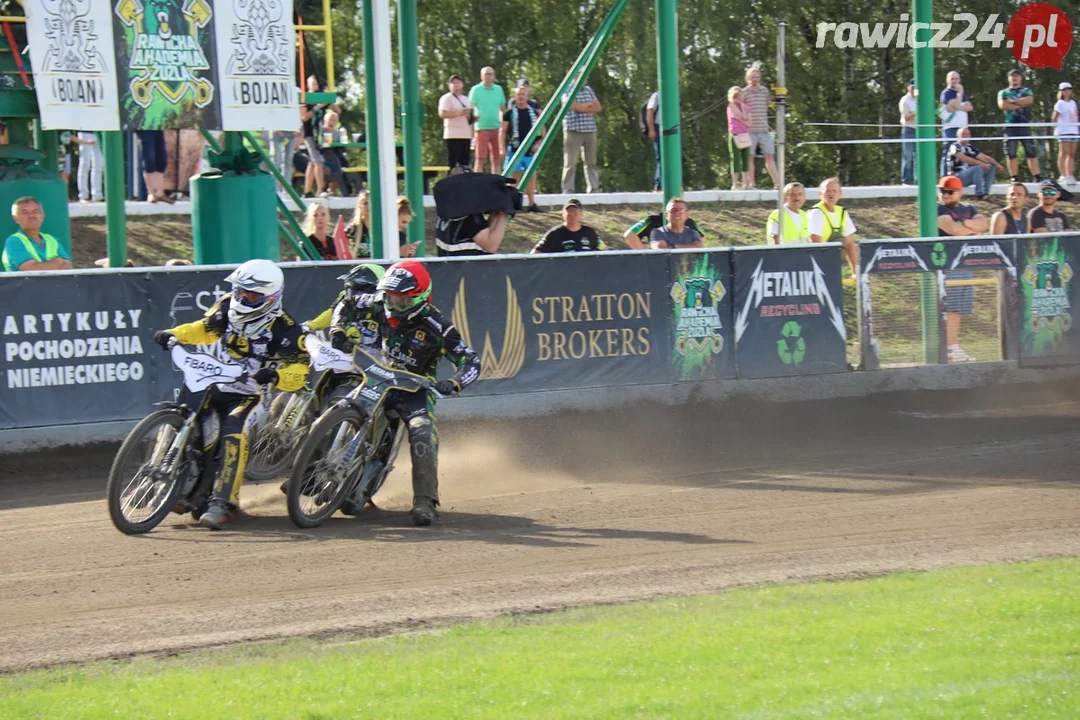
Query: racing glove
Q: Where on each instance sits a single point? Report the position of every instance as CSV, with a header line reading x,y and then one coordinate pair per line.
x,y
448,387
340,341
266,376
164,338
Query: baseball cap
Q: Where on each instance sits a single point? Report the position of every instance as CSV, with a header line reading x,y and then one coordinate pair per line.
x,y
950,182
911,82
572,202
1014,71
1065,86
452,78
1063,194
522,81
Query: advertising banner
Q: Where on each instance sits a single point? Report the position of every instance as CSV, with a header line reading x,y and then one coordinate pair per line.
x,y
699,289
1048,293
71,53
931,255
76,349
789,312
256,64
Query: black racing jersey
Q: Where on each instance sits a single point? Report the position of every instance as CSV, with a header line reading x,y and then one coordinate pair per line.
x,y
356,321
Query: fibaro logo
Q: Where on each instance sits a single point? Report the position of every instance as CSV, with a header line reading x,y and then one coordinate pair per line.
x,y
1038,35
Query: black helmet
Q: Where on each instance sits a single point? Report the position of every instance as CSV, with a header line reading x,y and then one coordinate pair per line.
x,y
363,278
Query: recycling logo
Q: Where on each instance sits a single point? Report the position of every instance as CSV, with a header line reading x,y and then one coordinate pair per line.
x,y
937,254
792,346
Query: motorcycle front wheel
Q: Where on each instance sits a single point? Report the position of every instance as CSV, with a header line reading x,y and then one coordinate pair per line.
x,y
327,466
140,492
275,444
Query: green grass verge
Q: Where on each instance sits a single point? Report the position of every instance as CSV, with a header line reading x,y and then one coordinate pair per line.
x,y
995,641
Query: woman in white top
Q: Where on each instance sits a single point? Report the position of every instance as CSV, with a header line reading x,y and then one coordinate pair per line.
x,y
829,220
1068,133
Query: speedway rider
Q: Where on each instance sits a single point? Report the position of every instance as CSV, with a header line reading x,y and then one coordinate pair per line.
x,y
415,337
254,329
361,280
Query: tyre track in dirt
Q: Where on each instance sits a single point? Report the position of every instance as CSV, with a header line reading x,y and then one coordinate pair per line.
x,y
556,512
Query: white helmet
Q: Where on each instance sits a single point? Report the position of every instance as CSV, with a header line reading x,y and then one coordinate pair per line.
x,y
256,296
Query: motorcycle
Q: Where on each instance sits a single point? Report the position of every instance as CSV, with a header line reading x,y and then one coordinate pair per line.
x,y
160,467
350,450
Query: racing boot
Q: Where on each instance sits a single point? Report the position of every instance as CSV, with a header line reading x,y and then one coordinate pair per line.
x,y
423,511
216,517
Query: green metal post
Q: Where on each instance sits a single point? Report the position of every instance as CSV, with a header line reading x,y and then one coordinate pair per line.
x,y
926,165
667,54
411,117
112,145
569,87
372,132
48,142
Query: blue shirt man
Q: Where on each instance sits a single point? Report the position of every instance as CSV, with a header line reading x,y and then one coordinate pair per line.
x,y
29,248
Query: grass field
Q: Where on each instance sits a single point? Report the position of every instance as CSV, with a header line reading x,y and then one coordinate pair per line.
x,y
995,641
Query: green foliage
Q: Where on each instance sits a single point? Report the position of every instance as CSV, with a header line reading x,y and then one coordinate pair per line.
x,y
996,641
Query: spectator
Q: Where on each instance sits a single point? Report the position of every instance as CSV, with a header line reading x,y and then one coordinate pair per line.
x,y
908,106
67,140
456,110
1016,101
796,227
1045,217
404,217
284,144
517,122
312,116
334,157
91,167
758,98
829,220
489,102
470,234
652,124
956,220
28,248
358,230
677,233
636,236
954,109
316,227
572,235
1068,133
536,104
971,166
738,119
154,161
1011,220
579,140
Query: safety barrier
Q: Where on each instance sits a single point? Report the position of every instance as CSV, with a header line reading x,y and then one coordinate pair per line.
x,y
78,345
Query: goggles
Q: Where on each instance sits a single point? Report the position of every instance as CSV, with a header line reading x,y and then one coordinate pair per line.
x,y
248,298
399,301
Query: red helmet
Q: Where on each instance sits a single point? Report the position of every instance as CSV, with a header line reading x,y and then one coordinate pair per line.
x,y
406,289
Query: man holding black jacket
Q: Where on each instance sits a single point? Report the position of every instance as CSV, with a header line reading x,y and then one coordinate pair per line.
x,y
473,210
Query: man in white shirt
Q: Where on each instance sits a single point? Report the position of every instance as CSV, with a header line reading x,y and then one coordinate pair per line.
x,y
908,105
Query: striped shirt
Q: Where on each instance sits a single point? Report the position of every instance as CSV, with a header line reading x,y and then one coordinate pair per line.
x,y
582,122
758,100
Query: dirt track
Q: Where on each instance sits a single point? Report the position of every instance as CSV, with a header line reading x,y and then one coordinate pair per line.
x,y
546,514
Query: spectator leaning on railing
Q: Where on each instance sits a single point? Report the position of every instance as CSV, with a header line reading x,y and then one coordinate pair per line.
x,y
676,233
637,235
1012,219
28,248
796,223
956,219
831,222
572,235
1045,217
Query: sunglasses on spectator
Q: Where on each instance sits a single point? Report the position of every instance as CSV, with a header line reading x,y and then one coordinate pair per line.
x,y
943,191
1049,191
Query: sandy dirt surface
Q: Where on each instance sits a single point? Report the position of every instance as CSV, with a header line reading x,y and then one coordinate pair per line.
x,y
539,515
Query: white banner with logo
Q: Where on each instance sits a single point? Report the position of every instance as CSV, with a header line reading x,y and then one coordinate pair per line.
x,y
256,64
71,48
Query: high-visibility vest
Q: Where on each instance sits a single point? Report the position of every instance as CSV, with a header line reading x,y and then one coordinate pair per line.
x,y
52,249
789,231
830,227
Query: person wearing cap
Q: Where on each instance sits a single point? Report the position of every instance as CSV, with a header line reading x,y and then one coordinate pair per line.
x,y
956,219
456,110
677,233
972,166
579,141
1067,131
1045,217
795,226
489,100
908,106
572,235
1015,101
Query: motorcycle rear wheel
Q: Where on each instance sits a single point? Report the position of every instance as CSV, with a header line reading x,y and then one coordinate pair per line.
x,y
320,479
144,488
